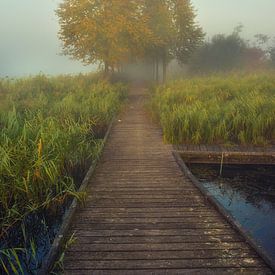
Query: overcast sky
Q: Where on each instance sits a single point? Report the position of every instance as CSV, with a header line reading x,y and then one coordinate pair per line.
x,y
29,42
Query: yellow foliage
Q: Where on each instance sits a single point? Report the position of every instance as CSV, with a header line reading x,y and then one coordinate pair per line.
x,y
110,31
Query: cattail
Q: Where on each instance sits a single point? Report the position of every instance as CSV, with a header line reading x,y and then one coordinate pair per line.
x,y
39,148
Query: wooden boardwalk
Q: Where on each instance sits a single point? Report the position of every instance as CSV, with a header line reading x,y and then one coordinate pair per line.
x,y
142,216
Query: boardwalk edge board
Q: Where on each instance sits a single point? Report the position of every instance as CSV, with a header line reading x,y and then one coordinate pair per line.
x,y
229,157
221,209
60,237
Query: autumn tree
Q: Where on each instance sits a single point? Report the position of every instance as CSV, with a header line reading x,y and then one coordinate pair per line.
x,y
160,23
108,31
188,34
114,32
176,31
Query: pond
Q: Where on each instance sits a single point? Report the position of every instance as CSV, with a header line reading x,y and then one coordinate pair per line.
x,y
248,193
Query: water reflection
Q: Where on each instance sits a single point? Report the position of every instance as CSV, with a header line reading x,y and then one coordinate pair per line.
x,y
33,237
248,193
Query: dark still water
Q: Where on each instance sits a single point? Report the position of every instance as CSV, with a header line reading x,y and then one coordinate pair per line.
x,y
248,193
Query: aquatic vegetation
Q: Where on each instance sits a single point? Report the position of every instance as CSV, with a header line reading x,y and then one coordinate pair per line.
x,y
237,109
51,128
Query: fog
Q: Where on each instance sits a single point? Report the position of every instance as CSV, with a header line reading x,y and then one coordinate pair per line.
x,y
221,16
29,41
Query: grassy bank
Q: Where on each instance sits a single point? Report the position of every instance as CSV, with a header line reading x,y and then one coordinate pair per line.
x,y
50,130
233,109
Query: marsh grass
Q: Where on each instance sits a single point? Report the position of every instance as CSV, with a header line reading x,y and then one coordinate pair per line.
x,y
48,133
232,109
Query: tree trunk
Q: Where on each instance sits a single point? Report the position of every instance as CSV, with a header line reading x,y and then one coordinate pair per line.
x,y
164,69
154,69
106,68
157,70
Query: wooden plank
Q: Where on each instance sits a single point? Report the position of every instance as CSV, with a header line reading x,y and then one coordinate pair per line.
x,y
119,204
93,214
139,192
151,197
159,247
154,232
184,201
165,264
205,270
161,255
129,220
141,209
137,226
158,239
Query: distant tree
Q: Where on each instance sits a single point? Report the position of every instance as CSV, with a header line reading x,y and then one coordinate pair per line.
x,y
253,58
261,39
228,52
220,54
272,56
267,45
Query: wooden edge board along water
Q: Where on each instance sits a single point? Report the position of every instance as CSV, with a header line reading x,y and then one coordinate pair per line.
x,y
230,155
60,237
236,225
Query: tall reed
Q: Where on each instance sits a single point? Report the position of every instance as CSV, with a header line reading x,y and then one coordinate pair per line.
x,y
233,109
48,128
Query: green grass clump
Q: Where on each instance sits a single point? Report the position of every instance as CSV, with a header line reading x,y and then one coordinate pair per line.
x,y
49,126
233,109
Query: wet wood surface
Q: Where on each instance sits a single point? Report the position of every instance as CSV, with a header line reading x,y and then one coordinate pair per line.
x,y
143,216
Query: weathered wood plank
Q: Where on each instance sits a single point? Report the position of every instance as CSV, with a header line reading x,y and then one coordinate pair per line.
x,y
166,264
205,271
158,246
90,213
141,209
137,226
155,232
130,220
162,255
151,197
230,156
158,239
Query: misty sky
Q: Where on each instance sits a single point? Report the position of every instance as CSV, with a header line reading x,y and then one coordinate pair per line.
x,y
29,42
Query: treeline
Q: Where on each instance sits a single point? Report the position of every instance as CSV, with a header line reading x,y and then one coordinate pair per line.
x,y
119,32
229,52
